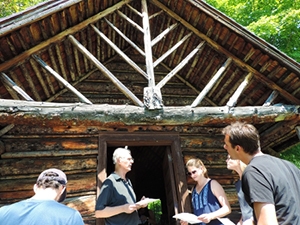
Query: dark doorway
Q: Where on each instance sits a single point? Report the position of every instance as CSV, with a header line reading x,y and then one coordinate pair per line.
x,y
147,172
157,172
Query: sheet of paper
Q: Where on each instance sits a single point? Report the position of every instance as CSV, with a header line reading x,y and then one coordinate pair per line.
x,y
146,201
226,221
188,217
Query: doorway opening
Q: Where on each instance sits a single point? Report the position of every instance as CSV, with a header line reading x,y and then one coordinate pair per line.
x,y
157,171
146,174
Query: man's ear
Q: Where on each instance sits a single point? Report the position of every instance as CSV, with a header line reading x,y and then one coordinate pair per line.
x,y
35,188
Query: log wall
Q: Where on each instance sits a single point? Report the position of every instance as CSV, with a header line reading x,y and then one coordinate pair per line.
x,y
26,151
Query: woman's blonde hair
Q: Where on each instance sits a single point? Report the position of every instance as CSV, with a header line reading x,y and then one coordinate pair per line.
x,y
197,163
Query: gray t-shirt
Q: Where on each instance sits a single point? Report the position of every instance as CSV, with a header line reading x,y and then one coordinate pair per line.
x,y
272,180
116,191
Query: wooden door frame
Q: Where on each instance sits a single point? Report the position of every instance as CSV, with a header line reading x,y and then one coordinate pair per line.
x,y
147,139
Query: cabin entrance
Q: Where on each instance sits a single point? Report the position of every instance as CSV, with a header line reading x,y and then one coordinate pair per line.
x,y
158,169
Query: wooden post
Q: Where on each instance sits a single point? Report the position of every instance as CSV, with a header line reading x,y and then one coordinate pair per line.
x,y
152,94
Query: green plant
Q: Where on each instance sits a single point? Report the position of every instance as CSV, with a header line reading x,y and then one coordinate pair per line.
x,y
8,7
292,154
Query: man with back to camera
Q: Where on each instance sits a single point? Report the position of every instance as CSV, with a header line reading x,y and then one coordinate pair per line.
x,y
44,207
116,201
270,185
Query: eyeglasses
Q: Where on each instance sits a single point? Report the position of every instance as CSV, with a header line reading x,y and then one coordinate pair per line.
x,y
193,172
129,159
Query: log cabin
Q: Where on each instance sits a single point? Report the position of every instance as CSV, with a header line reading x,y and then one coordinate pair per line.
x,y
80,78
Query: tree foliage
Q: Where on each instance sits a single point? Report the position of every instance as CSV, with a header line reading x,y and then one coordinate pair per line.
x,y
275,21
8,7
292,155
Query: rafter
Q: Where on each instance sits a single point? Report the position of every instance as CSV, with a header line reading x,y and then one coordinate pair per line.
x,y
93,19
179,66
125,37
210,84
120,52
106,72
233,100
5,79
62,80
236,60
171,49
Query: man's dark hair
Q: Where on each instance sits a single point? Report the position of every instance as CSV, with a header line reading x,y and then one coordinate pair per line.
x,y
244,135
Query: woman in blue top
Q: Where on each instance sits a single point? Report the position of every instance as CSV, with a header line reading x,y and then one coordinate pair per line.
x,y
208,197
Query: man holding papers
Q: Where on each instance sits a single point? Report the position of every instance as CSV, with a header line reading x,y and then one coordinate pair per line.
x,y
117,201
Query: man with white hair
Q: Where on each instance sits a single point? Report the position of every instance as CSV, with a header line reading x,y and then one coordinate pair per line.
x,y
116,201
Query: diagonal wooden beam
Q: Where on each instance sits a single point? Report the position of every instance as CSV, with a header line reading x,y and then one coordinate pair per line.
x,y
179,66
134,10
232,101
221,49
23,56
163,34
134,24
167,53
62,80
271,98
184,81
125,37
106,72
120,52
210,84
5,79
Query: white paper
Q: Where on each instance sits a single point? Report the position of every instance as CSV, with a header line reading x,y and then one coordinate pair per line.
x,y
226,221
187,217
146,201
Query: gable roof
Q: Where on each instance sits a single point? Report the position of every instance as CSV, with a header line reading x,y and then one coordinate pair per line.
x,y
183,54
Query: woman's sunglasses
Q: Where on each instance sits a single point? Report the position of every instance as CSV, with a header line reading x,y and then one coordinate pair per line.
x,y
193,172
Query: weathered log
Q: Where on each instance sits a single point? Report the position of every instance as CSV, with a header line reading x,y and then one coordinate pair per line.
x,y
50,114
11,167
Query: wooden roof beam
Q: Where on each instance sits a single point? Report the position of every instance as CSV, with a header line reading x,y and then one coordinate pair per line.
x,y
179,66
167,53
134,10
6,80
105,71
271,98
134,24
125,37
152,94
210,84
233,100
156,14
163,34
238,61
75,114
120,52
62,80
23,56
189,85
